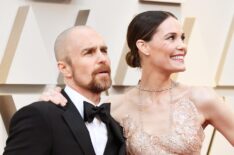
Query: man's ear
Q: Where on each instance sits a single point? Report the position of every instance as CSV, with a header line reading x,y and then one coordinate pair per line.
x,y
65,69
142,47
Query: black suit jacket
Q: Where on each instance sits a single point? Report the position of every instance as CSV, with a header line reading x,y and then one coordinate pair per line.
x,y
43,128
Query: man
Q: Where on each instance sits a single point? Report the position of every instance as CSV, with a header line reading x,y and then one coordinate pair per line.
x,y
43,128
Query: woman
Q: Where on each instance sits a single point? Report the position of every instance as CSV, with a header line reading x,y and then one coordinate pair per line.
x,y
161,116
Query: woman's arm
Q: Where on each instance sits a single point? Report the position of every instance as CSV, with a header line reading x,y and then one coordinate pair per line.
x,y
217,113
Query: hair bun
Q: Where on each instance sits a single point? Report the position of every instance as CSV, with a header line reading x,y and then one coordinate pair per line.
x,y
132,60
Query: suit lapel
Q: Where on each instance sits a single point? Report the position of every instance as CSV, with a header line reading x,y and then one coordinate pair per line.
x,y
77,126
115,132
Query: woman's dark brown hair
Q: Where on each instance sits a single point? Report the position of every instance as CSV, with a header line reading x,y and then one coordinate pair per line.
x,y
143,26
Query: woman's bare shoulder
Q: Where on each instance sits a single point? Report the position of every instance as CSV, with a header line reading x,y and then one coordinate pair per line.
x,y
116,100
120,104
205,98
203,94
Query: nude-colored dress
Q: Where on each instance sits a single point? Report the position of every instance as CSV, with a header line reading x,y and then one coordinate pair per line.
x,y
185,138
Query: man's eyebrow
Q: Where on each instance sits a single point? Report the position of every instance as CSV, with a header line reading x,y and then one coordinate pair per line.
x,y
88,48
104,47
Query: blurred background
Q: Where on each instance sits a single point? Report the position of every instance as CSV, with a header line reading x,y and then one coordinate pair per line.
x,y
28,29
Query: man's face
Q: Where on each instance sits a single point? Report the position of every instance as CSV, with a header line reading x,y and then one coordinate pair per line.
x,y
89,61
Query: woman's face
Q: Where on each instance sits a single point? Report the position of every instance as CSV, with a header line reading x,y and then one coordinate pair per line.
x,y
166,48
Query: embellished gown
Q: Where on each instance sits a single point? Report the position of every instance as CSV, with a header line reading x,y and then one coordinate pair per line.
x,y
185,137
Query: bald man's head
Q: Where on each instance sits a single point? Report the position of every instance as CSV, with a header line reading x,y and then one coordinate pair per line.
x,y
64,41
82,58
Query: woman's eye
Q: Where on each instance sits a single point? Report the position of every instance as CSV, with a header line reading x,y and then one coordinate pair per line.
x,y
171,38
183,37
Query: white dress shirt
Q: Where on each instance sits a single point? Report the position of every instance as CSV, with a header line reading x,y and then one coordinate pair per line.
x,y
97,129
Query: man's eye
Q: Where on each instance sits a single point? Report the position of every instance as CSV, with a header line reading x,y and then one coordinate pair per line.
x,y
89,52
104,51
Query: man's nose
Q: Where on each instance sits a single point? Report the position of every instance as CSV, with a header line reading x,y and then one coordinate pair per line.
x,y
102,57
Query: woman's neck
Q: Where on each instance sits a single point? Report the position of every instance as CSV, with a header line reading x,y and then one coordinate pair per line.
x,y
155,81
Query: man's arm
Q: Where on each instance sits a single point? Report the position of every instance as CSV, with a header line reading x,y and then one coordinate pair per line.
x,y
29,133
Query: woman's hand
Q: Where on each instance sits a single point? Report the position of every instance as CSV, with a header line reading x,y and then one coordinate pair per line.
x,y
54,95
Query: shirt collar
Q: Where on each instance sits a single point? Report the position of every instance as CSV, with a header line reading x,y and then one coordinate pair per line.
x,y
78,99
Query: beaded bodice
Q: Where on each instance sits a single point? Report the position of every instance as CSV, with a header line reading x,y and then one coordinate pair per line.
x,y
185,138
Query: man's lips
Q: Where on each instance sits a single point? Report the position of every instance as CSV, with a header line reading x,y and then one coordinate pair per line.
x,y
103,70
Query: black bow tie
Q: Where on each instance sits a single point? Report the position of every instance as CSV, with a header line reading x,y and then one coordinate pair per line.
x,y
91,111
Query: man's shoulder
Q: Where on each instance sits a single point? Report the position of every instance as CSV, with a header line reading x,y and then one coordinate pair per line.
x,y
39,111
42,107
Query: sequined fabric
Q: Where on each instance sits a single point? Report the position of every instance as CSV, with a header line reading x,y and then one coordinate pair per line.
x,y
185,138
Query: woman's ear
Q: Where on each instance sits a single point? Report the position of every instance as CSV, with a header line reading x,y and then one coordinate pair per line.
x,y
65,69
142,47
